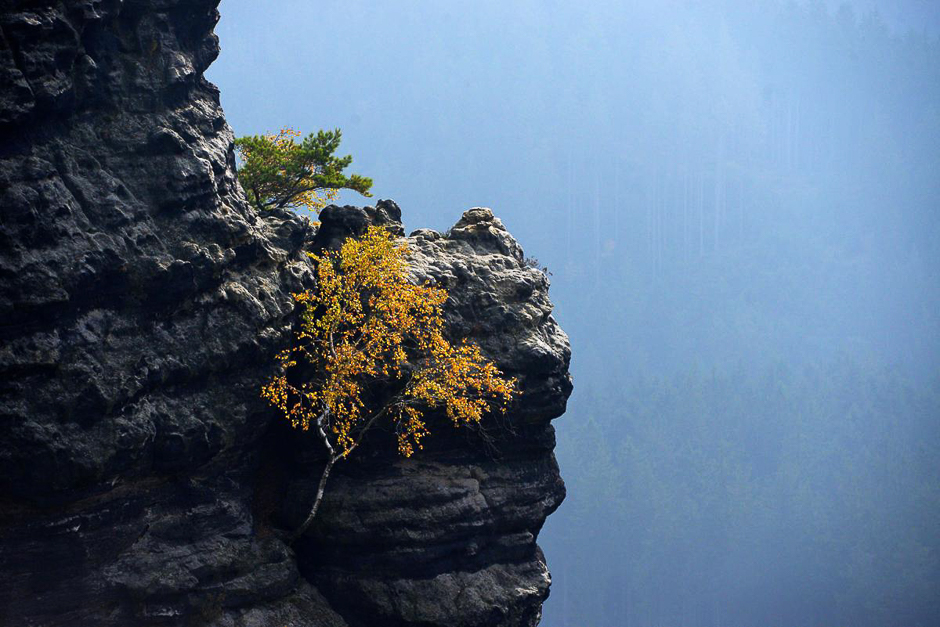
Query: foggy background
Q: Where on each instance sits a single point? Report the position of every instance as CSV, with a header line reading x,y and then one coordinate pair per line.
x,y
739,202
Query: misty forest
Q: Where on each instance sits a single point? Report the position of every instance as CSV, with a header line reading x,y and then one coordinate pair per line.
x,y
739,206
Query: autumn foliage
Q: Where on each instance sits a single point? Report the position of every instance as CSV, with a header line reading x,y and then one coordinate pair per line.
x,y
279,172
377,348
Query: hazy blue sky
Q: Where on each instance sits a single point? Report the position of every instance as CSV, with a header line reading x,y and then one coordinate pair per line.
x,y
902,15
739,202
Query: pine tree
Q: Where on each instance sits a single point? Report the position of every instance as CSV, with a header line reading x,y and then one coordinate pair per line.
x,y
278,172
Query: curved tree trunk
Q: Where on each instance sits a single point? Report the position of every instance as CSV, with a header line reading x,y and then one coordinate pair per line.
x,y
331,459
316,502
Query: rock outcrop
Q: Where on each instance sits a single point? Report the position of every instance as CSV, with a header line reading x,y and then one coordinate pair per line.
x,y
142,479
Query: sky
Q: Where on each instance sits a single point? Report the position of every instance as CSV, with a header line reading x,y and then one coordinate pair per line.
x,y
902,16
739,205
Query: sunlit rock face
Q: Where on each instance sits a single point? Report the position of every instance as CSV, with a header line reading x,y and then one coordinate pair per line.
x,y
448,536
142,479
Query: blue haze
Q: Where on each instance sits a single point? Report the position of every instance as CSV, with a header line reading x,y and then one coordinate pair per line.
x,y
739,202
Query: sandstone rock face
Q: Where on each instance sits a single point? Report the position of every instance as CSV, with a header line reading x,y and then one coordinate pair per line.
x,y
448,537
142,479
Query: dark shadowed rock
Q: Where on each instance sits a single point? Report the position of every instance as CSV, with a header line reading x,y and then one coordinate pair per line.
x,y
338,223
142,479
448,537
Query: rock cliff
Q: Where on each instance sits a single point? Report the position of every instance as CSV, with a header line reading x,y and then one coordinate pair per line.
x,y
142,479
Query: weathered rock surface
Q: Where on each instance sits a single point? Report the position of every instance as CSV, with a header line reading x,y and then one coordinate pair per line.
x,y
142,480
448,537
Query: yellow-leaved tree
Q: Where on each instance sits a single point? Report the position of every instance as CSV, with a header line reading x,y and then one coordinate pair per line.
x,y
376,345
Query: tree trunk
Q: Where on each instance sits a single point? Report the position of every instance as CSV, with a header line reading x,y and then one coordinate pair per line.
x,y
316,503
331,459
